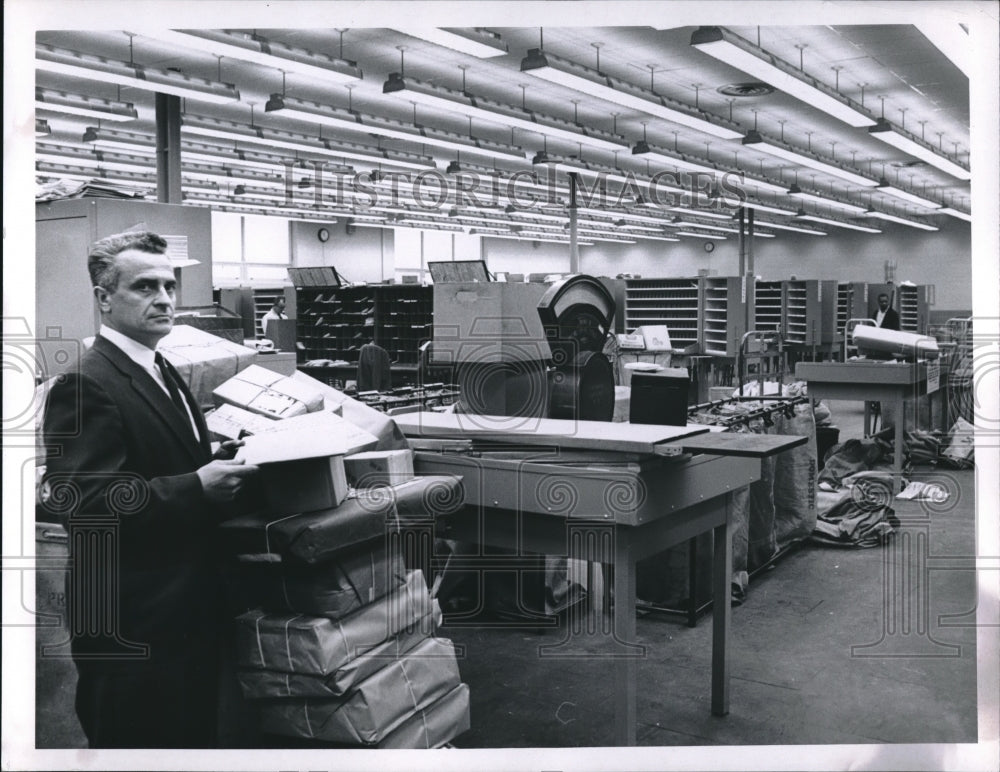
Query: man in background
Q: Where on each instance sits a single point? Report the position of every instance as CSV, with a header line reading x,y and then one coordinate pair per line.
x,y
131,474
277,312
886,317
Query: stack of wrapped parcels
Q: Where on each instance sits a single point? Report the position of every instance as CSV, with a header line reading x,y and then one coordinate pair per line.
x,y
340,644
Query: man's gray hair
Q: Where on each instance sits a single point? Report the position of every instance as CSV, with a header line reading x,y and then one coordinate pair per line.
x,y
101,261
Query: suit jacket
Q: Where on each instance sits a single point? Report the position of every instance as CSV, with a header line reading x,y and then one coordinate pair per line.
x,y
120,473
891,320
374,368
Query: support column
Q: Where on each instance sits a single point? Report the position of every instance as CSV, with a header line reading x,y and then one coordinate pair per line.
x,y
574,247
168,149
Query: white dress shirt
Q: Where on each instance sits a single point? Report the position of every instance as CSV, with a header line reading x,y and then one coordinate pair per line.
x,y
146,359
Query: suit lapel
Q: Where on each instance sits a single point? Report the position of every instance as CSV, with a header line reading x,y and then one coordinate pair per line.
x,y
192,404
158,401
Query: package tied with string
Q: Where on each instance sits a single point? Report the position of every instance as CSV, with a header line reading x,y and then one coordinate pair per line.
x,y
379,705
313,537
286,655
205,361
260,390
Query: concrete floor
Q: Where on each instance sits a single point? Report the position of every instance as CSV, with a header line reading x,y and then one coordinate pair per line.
x,y
795,678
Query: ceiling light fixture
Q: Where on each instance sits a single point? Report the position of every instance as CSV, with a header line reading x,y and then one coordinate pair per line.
x,y
903,140
481,108
51,100
952,40
905,195
835,223
901,220
201,126
768,208
643,149
952,212
737,52
251,47
754,140
597,84
699,212
833,203
120,141
794,228
66,62
692,234
314,112
476,41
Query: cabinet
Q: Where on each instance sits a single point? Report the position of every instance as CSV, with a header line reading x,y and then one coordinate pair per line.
x,y
811,312
769,306
913,304
64,231
335,322
676,303
725,304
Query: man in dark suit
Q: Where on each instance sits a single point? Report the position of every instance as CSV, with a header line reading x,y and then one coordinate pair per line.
x,y
886,317
131,473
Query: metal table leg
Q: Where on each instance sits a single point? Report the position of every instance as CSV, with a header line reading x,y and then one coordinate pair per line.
x,y
722,563
626,668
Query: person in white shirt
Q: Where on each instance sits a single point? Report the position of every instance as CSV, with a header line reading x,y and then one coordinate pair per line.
x,y
277,312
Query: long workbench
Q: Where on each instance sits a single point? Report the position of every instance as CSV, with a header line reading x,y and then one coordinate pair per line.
x,y
599,492
890,382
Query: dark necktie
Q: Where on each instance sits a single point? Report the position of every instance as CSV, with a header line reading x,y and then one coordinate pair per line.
x,y
171,384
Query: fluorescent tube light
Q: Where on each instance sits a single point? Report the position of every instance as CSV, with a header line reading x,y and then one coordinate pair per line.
x,y
200,126
737,52
251,47
903,140
66,62
643,149
692,234
120,141
836,223
473,106
901,220
905,195
833,203
951,40
477,41
768,208
55,101
699,212
952,212
619,92
314,112
795,229
706,226
757,142
763,235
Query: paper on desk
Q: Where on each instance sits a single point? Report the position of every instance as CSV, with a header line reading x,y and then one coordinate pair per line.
x,y
310,435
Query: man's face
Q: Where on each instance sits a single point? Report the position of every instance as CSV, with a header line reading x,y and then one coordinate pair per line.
x,y
142,306
281,305
883,302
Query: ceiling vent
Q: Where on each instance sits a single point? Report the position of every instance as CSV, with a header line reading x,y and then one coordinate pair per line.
x,y
746,89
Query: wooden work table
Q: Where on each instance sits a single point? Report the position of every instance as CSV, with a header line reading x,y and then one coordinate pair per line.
x,y
599,492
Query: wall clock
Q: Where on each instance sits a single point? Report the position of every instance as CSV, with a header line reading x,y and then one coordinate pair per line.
x,y
709,246
323,235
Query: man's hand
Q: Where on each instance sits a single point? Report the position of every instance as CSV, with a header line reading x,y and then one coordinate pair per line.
x,y
227,449
222,479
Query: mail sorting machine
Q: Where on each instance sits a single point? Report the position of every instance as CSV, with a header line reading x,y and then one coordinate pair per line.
x,y
544,471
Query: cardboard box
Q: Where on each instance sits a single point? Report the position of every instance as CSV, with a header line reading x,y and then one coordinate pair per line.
x,y
228,422
270,684
315,645
381,703
314,537
656,337
264,391
375,468
435,725
204,361
302,460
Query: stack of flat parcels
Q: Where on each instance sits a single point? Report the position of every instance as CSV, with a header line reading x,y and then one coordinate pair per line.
x,y
369,714
285,655
264,391
378,468
205,361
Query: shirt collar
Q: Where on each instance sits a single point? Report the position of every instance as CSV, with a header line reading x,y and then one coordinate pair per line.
x,y
138,353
